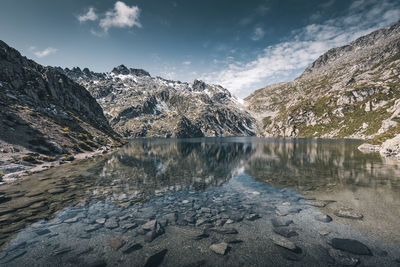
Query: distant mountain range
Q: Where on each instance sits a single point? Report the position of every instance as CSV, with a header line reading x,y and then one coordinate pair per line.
x,y
349,92
138,105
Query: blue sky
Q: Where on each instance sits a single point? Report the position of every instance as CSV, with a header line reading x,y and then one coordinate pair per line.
x,y
242,45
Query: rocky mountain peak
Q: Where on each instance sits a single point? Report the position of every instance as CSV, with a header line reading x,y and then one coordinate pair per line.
x,y
199,85
121,69
364,46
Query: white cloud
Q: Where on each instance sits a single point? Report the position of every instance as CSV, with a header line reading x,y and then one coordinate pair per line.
x,y
286,60
258,34
187,63
121,16
90,15
43,53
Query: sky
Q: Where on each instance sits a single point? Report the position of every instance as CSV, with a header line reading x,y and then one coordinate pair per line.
x,y
241,45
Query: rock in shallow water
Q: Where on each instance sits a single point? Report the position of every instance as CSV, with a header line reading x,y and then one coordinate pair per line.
x,y
283,242
323,218
285,231
220,248
276,222
348,213
131,247
156,259
350,245
343,259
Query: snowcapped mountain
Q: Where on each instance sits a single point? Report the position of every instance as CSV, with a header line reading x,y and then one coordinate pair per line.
x,y
139,105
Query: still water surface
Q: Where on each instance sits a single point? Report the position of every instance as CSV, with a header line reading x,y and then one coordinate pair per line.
x,y
165,202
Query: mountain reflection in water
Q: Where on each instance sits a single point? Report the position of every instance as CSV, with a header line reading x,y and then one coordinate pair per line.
x,y
150,178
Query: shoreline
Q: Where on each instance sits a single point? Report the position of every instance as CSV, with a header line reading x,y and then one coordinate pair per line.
x,y
25,169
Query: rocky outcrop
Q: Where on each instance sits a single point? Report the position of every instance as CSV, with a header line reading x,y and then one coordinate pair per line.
x,y
349,92
138,105
44,114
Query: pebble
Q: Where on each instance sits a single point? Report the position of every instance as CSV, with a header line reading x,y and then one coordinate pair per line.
x,y
323,218
220,248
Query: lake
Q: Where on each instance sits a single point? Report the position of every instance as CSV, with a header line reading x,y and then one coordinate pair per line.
x,y
234,201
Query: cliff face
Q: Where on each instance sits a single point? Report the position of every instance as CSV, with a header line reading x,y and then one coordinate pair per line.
x,y
43,112
138,105
349,92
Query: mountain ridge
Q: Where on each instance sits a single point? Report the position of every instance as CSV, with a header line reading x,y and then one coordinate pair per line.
x,y
139,105
348,92
44,115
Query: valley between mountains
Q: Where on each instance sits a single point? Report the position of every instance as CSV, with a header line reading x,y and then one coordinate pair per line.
x,y
50,114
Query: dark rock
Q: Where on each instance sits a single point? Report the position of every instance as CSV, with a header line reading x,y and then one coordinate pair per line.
x,y
156,259
131,247
224,231
252,217
42,231
350,245
201,236
295,255
343,259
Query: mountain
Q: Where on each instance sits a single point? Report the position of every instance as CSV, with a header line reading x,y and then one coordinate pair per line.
x,y
44,114
138,105
351,91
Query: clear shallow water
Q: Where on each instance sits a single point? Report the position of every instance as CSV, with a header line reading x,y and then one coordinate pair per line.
x,y
201,192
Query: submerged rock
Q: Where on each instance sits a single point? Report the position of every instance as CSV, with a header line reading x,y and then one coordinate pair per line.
x,y
156,259
343,259
285,231
283,242
348,213
220,248
350,245
323,218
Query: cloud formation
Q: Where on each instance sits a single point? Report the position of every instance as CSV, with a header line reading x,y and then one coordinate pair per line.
x,y
122,16
46,52
258,34
287,59
89,16
187,63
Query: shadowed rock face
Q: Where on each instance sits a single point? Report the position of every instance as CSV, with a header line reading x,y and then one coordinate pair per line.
x,y
138,105
44,111
349,92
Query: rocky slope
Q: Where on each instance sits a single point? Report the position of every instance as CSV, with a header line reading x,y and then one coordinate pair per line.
x,y
138,105
349,92
44,115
